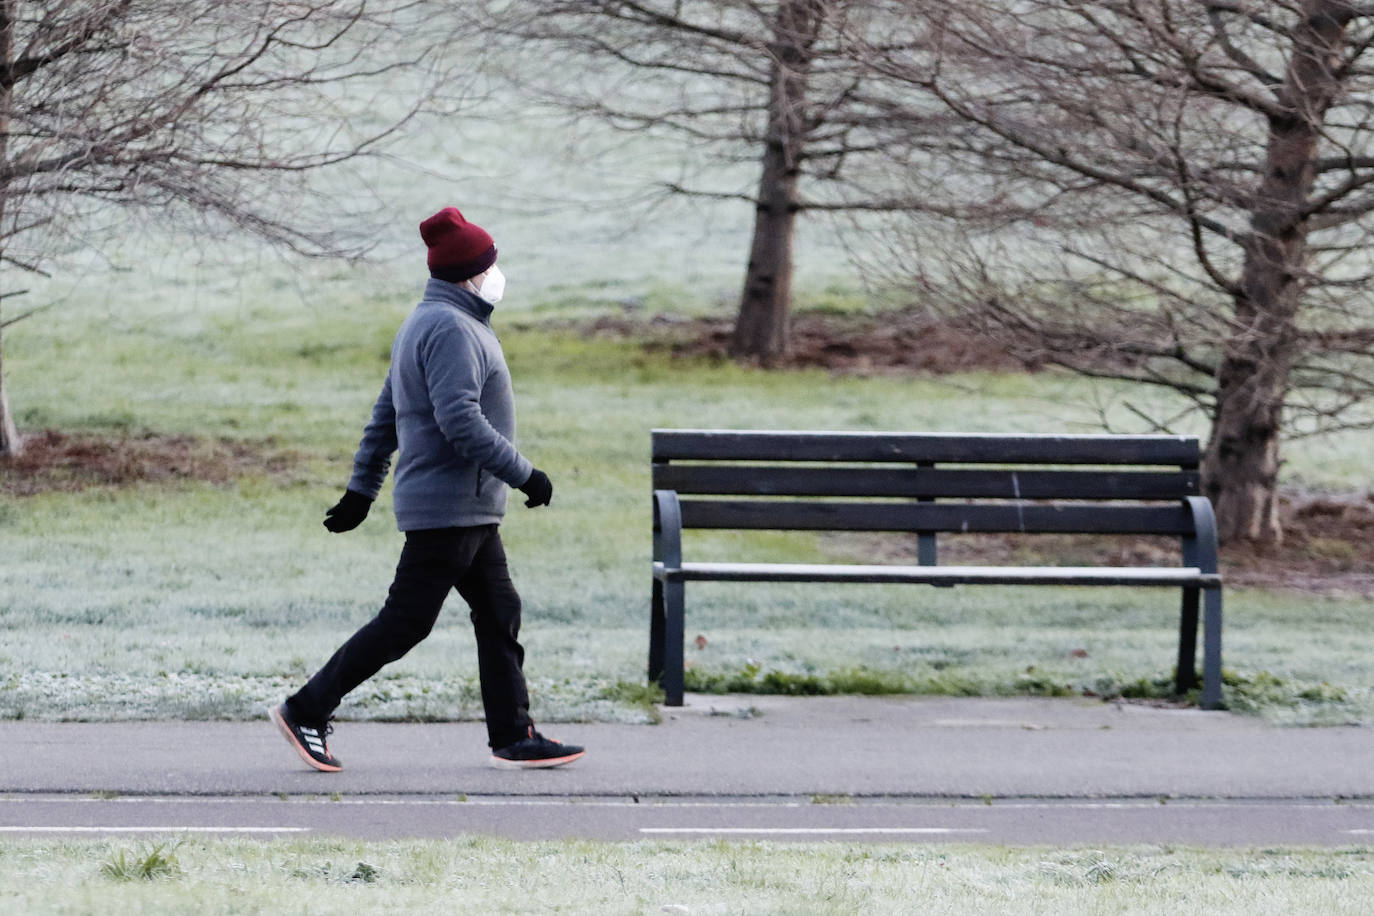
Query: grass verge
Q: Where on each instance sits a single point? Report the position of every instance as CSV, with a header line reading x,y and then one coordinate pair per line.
x,y
475,875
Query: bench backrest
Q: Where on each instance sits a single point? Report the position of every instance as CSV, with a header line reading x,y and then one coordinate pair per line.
x,y
929,482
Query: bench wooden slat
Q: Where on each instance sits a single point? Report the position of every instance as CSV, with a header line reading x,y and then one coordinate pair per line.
x,y
755,480
816,515
936,575
753,445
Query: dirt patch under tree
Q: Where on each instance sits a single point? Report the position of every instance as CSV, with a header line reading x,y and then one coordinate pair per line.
x,y
60,461
896,342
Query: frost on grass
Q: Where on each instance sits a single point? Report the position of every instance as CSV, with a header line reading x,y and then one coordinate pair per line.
x,y
490,875
48,696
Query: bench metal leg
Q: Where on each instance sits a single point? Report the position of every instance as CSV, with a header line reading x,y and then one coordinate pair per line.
x,y
656,625
674,598
1211,649
926,548
1185,676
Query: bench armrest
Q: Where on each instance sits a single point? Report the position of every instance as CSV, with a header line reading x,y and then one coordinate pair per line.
x,y
667,529
1200,547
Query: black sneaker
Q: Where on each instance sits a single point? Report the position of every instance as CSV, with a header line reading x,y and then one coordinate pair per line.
x,y
308,740
534,751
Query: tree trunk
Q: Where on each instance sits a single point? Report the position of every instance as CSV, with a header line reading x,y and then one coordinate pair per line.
x,y
10,443
1240,468
1241,465
761,328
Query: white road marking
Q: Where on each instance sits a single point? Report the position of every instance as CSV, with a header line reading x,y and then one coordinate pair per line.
x,y
649,801
314,799
811,831
168,829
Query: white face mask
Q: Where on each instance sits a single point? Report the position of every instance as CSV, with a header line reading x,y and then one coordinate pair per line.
x,y
493,285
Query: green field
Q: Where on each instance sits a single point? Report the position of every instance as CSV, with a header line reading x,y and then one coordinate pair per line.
x,y
207,600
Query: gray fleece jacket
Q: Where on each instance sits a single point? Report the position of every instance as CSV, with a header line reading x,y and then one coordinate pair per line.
x,y
447,405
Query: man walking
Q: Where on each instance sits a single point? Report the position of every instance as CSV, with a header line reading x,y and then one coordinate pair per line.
x,y
448,407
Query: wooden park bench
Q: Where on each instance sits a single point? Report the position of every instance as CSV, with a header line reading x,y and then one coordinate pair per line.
x,y
927,484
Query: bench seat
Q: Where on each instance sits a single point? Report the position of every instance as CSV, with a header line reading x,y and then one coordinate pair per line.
x,y
937,575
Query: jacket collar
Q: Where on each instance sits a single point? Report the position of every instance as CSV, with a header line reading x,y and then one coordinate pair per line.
x,y
454,294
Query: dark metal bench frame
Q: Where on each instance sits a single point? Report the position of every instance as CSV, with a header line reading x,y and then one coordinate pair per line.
x,y
789,481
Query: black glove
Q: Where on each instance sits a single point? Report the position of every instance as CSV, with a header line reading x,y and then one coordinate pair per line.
x,y
538,489
348,513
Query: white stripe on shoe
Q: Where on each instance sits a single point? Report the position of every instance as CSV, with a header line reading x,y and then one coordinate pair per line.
x,y
274,713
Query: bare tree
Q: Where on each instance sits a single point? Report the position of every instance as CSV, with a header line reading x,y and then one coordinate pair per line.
x,y
199,110
1175,192
768,81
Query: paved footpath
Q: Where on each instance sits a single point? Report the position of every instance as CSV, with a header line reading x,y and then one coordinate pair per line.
x,y
980,770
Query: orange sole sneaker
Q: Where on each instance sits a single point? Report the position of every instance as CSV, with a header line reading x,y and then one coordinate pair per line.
x,y
307,742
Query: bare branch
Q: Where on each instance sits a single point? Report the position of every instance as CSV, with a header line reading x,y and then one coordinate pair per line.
x,y
22,315
1246,62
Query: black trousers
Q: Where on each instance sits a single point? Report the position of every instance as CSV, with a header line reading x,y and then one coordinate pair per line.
x,y
471,560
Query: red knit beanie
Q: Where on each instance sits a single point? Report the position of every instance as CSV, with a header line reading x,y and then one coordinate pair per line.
x,y
458,249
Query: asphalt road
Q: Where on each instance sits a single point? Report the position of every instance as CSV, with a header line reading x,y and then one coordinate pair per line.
x,y
1013,771
1009,821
